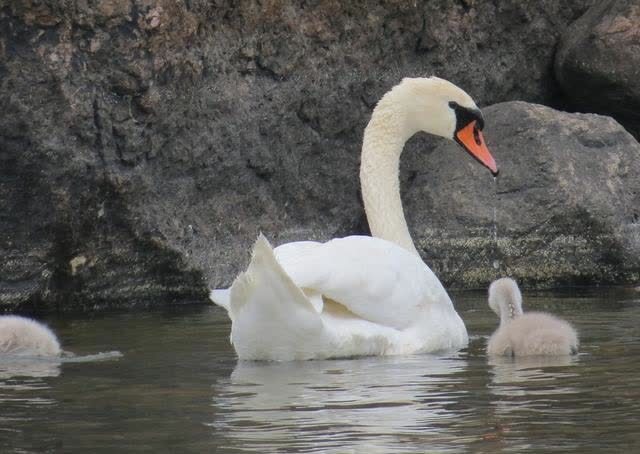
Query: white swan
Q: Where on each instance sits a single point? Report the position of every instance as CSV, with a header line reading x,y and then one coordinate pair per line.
x,y
26,337
533,333
360,295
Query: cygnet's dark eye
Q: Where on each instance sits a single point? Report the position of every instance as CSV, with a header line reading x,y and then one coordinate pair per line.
x,y
454,105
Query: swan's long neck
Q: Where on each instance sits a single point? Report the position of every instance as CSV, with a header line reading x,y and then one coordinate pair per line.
x,y
384,139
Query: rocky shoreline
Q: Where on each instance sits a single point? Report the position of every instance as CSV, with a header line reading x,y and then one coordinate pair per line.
x,y
144,144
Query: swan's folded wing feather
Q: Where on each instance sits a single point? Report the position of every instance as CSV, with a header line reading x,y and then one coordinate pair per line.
x,y
222,297
272,317
265,271
373,278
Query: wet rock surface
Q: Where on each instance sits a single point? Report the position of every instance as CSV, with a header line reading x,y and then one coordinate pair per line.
x,y
144,144
598,62
567,202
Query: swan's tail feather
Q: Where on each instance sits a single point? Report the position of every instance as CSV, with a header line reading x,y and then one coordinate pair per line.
x,y
221,297
272,317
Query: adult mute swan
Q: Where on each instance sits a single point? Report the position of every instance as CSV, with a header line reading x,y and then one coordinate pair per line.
x,y
533,333
360,295
25,337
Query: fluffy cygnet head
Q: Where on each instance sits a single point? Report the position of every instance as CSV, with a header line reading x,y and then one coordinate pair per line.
x,y
505,299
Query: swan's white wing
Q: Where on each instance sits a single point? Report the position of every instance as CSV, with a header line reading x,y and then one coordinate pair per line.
x,y
293,251
375,279
287,253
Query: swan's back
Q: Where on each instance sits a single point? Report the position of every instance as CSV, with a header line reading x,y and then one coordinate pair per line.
x,y
353,296
23,336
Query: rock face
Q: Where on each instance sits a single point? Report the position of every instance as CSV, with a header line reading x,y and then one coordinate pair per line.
x,y
567,202
145,143
598,61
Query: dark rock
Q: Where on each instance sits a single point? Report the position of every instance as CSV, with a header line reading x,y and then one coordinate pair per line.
x,y
193,125
598,62
567,202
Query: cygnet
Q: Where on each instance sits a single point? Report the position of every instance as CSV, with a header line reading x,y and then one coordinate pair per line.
x,y
526,334
26,337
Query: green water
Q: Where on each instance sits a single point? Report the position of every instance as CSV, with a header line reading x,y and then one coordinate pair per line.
x,y
179,388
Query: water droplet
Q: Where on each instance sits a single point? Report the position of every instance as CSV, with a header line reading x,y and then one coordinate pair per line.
x,y
495,224
494,228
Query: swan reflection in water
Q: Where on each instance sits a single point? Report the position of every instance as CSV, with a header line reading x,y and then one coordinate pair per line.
x,y
340,404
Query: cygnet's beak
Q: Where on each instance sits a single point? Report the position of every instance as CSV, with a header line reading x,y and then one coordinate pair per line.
x,y
471,139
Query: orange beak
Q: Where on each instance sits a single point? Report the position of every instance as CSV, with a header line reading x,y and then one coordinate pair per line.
x,y
471,139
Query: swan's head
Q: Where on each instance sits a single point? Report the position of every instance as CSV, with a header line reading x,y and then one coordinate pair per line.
x,y
438,107
505,298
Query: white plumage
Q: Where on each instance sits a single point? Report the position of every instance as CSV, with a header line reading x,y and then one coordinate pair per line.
x,y
358,295
371,298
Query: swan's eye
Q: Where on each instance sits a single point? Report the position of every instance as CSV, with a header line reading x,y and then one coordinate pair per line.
x,y
476,135
466,115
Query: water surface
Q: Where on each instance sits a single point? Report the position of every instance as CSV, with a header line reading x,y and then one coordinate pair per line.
x,y
178,387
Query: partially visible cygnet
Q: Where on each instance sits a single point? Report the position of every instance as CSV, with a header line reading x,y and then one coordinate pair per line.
x,y
23,336
533,333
